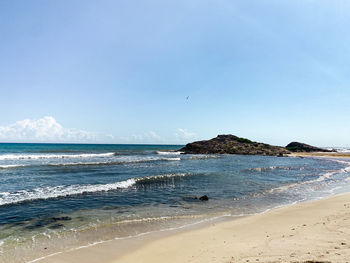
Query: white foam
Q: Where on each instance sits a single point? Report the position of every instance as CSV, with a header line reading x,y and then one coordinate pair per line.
x,y
1,243
140,159
169,153
119,161
271,168
173,159
7,166
346,169
342,161
41,258
82,161
79,163
60,191
161,176
67,190
319,179
204,156
52,156
342,150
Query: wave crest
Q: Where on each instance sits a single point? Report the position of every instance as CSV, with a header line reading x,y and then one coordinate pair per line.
x,y
271,168
59,191
169,152
160,178
110,162
52,156
50,192
9,166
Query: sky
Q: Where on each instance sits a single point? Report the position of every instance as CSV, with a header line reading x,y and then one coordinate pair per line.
x,y
171,72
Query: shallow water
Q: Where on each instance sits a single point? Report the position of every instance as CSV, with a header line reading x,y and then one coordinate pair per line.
x,y
58,196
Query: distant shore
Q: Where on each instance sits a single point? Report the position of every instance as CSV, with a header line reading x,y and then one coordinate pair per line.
x,y
305,232
320,154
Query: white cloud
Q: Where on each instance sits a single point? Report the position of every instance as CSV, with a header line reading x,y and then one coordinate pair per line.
x,y
47,129
148,137
184,136
180,136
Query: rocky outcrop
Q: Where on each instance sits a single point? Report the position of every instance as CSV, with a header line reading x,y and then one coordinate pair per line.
x,y
195,198
204,198
230,144
302,147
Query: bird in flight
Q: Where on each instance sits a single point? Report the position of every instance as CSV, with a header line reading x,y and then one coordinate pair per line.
x,y
187,97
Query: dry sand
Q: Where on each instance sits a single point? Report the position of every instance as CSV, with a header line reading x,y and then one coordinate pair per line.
x,y
321,154
317,231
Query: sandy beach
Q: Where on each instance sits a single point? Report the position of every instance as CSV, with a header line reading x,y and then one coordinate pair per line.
x,y
316,231
321,154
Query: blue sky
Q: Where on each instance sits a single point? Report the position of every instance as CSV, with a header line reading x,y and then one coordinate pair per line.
x,y
120,71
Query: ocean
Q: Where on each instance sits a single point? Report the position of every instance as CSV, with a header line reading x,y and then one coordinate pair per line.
x,y
58,197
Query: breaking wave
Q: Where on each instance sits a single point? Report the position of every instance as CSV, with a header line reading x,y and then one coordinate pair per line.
x,y
9,166
271,168
52,156
340,149
160,178
321,178
169,153
204,156
50,192
117,161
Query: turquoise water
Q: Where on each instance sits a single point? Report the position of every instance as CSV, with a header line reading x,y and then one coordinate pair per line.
x,y
57,196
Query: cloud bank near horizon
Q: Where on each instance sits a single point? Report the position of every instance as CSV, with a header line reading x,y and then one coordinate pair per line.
x,y
181,136
184,135
47,129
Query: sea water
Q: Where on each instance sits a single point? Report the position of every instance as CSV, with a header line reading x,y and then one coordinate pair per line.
x,y
57,197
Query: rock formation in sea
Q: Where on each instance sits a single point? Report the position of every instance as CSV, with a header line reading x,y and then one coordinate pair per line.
x,y
231,144
302,147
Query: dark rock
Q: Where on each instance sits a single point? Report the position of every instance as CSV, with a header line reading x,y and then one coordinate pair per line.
x,y
195,198
302,147
62,218
204,198
36,225
230,144
47,221
56,226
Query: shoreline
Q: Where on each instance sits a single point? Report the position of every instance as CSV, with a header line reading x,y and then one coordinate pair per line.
x,y
320,154
312,230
